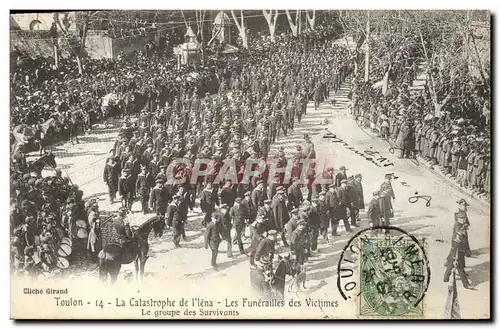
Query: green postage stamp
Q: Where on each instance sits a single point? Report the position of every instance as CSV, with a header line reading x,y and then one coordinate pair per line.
x,y
394,276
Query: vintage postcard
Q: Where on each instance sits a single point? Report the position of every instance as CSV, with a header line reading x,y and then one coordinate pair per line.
x,y
250,164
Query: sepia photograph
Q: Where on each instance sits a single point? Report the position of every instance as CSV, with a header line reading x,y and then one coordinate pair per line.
x,y
250,164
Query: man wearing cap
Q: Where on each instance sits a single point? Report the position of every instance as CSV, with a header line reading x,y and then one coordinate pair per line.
x,y
280,213
340,175
174,219
266,248
122,227
143,186
299,242
352,193
386,197
344,203
359,201
158,199
110,177
373,211
332,204
227,194
295,196
314,222
225,222
459,246
266,212
308,148
258,195
208,200
125,188
237,215
213,239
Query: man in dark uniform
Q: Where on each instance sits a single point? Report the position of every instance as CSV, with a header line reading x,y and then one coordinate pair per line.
x,y
386,194
359,200
280,213
126,188
344,203
459,246
299,242
351,192
158,199
173,218
225,232
247,208
227,194
143,187
313,224
266,248
237,214
373,212
213,239
208,199
258,195
340,175
257,228
332,205
111,176
122,227
323,214
295,196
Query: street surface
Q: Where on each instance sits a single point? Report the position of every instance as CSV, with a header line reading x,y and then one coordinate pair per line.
x,y
187,270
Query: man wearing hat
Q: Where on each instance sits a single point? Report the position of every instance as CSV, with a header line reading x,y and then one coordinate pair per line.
x,y
237,215
174,219
353,210
344,203
125,188
459,246
208,200
158,199
225,222
295,196
280,213
122,227
313,223
266,248
373,211
110,177
143,186
266,212
213,239
340,175
386,197
299,242
258,194
308,148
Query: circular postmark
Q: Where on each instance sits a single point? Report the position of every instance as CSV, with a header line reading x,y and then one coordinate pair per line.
x,y
390,273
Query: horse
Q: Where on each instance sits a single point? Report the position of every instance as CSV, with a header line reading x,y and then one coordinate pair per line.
x,y
48,159
113,256
272,287
41,131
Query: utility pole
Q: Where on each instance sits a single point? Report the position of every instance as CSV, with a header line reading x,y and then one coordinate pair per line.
x,y
367,54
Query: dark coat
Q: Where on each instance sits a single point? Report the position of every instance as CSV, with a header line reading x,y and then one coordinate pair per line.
x,y
265,249
111,175
125,185
386,195
208,199
359,200
280,213
212,236
323,213
373,211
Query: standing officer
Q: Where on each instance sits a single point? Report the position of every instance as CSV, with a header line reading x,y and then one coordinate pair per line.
x,y
213,239
237,215
373,212
351,192
340,175
111,176
295,196
386,194
332,205
225,223
208,199
298,242
258,195
143,187
158,199
173,218
126,189
280,213
313,224
459,246
344,203
227,194
323,214
359,201
258,229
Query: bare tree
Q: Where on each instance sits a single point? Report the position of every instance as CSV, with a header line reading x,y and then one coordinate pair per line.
x,y
293,22
311,20
271,18
77,46
241,27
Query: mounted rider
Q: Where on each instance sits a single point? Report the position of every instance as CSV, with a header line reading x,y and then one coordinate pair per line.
x,y
125,236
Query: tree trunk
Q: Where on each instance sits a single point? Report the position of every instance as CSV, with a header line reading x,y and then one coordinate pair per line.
x,y
241,27
293,22
271,21
311,20
56,56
